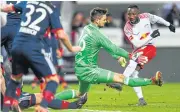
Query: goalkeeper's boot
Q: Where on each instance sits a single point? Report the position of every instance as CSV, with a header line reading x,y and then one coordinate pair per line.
x,y
80,102
142,102
157,79
116,86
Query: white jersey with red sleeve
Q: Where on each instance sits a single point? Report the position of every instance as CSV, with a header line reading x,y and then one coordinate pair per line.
x,y
139,34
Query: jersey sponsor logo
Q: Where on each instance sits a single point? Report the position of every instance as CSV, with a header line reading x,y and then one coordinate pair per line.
x,y
143,36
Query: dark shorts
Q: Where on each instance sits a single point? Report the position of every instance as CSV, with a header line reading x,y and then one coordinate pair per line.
x,y
51,46
27,100
7,35
31,55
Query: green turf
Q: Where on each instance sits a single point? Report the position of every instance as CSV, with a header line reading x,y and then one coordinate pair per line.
x,y
104,99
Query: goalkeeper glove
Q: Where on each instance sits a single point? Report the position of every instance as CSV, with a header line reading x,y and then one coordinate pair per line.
x,y
122,61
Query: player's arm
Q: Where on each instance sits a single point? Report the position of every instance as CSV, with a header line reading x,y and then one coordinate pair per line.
x,y
13,7
60,33
112,49
7,8
156,19
63,37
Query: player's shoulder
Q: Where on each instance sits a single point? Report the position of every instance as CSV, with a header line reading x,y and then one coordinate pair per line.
x,y
128,26
144,15
45,4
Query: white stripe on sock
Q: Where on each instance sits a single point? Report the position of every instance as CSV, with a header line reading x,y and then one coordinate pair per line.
x,y
73,93
126,80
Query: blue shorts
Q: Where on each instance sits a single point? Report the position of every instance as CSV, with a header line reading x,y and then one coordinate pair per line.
x,y
31,55
27,100
7,35
51,46
54,48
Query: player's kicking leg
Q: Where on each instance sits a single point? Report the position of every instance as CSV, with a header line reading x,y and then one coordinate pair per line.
x,y
106,76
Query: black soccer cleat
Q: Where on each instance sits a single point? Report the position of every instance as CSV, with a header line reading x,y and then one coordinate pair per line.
x,y
79,103
82,100
142,102
116,86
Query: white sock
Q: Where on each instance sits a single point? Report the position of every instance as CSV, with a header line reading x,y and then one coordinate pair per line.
x,y
130,68
138,90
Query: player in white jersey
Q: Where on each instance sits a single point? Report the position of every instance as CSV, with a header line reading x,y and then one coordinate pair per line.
x,y
140,34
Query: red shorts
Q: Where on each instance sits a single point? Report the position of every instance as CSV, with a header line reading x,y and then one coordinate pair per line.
x,y
149,51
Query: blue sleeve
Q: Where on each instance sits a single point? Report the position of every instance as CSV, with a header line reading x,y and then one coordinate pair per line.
x,y
58,5
55,21
20,6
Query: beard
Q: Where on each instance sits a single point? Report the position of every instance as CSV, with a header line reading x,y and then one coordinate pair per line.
x,y
100,26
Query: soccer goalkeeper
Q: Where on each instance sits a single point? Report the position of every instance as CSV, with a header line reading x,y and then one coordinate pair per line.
x,y
86,68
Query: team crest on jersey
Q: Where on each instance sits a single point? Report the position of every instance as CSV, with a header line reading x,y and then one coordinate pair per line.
x,y
143,36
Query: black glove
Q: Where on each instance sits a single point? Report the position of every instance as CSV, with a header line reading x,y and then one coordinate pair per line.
x,y
155,33
172,28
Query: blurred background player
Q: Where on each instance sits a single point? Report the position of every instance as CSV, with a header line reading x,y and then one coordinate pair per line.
x,y
86,68
30,35
7,36
13,22
139,33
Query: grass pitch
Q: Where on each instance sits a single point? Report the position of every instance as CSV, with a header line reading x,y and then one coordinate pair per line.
x,y
104,99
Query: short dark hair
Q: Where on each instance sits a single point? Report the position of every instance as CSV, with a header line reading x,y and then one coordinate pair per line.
x,y
133,6
97,12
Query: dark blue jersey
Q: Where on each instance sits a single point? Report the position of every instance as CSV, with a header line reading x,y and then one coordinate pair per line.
x,y
37,17
15,17
57,4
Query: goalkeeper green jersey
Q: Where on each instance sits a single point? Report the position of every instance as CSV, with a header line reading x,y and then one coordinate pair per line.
x,y
91,40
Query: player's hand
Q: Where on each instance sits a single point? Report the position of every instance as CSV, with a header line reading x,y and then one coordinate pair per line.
x,y
38,108
155,33
142,60
122,61
172,28
76,48
139,58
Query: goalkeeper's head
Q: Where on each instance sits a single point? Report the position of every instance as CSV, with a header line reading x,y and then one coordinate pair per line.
x,y
98,16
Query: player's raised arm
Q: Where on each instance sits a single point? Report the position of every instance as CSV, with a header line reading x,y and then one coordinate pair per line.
x,y
13,7
156,19
114,50
7,8
60,33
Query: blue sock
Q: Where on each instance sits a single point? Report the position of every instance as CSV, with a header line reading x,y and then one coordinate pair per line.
x,y
48,94
61,104
10,94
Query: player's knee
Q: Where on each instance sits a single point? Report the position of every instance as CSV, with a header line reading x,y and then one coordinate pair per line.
x,y
16,77
118,78
52,78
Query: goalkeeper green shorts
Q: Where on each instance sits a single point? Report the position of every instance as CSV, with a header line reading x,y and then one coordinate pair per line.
x,y
88,76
